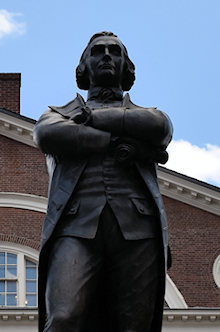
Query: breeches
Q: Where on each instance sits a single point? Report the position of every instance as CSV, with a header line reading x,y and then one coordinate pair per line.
x,y
105,284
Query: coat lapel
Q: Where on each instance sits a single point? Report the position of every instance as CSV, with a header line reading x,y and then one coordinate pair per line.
x,y
70,109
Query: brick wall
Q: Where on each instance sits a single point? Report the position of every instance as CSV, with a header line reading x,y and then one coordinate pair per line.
x,y
10,91
195,243
22,168
21,226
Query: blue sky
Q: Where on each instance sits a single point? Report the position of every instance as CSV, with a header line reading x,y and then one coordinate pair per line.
x,y
175,45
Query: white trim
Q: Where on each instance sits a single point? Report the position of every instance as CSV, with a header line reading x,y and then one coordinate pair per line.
x,y
216,271
17,129
21,273
184,315
18,314
23,201
188,192
15,248
196,314
173,297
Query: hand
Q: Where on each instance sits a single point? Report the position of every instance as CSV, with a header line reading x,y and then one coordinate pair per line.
x,y
85,117
161,157
151,153
128,149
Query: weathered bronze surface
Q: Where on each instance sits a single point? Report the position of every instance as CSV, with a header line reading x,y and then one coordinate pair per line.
x,y
104,242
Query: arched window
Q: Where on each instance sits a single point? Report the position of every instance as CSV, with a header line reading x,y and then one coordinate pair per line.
x,y
18,275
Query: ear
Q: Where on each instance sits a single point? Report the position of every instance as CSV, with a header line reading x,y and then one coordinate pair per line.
x,y
128,75
82,78
81,69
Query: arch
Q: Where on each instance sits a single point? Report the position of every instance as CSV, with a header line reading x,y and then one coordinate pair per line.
x,y
173,297
18,248
23,201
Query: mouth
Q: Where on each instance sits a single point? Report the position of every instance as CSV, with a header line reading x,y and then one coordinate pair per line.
x,y
106,66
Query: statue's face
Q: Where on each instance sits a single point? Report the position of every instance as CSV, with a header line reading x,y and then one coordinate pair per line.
x,y
105,61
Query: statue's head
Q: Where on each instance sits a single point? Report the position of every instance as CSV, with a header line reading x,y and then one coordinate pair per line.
x,y
105,62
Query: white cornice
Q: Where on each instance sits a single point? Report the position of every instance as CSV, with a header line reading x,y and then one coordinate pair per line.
x,y
17,129
196,314
18,314
171,185
184,315
189,192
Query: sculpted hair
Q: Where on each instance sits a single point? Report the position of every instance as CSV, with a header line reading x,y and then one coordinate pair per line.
x,y
82,78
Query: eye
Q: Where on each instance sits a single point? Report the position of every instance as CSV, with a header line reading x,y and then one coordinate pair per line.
x,y
97,50
115,49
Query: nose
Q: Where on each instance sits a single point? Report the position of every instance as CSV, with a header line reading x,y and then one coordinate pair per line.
x,y
106,51
107,54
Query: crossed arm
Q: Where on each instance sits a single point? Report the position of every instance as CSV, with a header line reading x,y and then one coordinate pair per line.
x,y
57,135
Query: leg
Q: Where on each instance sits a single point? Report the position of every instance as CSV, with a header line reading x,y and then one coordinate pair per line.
x,y
73,274
136,279
140,287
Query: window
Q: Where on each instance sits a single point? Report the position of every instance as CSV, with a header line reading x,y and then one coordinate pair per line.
x,y
8,279
31,284
18,276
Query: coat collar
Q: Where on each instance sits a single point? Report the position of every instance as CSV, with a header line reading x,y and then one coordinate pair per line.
x,y
74,105
70,107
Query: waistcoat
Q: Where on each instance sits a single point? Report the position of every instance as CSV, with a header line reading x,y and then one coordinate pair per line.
x,y
105,181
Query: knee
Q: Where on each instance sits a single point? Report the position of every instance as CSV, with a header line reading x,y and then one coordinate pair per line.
x,y
60,321
63,315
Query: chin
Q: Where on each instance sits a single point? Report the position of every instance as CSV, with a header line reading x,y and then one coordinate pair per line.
x,y
107,79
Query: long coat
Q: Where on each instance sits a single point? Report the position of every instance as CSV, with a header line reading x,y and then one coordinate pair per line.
x,y
68,145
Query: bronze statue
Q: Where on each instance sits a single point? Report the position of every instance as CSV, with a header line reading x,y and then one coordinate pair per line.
x,y
104,243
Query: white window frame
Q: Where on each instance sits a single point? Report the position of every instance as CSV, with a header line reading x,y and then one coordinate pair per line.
x,y
23,253
216,271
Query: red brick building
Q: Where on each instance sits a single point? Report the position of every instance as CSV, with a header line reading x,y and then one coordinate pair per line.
x,y
193,210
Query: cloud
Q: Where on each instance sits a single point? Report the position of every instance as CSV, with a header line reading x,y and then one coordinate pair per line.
x,y
200,163
9,25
